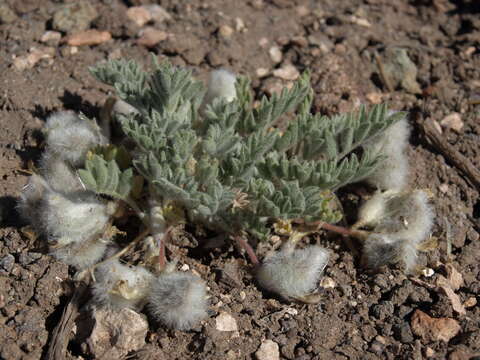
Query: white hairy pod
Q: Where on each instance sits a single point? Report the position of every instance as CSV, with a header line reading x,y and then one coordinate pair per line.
x,y
73,219
178,300
382,249
31,200
221,84
82,255
293,273
400,221
60,175
392,174
70,137
119,286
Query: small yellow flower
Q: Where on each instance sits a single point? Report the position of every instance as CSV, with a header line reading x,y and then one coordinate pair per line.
x,y
283,227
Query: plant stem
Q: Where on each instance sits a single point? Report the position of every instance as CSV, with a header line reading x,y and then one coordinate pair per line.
x,y
248,249
358,234
140,237
161,239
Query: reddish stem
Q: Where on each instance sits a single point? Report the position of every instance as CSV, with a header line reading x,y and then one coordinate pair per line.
x,y
248,249
338,229
358,234
161,241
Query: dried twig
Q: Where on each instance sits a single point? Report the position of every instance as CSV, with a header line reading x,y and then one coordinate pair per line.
x,y
381,71
60,336
453,156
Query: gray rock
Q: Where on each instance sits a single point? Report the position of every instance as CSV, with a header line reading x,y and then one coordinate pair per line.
x,y
382,310
400,71
402,332
115,333
7,262
75,16
26,258
7,15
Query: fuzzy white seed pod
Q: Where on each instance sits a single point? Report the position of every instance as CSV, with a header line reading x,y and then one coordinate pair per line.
x,y
400,222
178,300
60,176
221,84
29,206
70,137
61,119
372,210
382,249
82,255
392,174
417,216
293,274
68,220
120,286
407,213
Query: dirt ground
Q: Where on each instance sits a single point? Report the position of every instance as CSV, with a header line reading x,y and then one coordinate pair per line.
x,y
361,315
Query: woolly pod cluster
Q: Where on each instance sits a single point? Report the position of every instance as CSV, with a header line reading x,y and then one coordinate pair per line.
x,y
75,221
399,219
72,219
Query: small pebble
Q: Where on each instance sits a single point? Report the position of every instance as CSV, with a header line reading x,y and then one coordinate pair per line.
x,y
327,283
287,72
470,302
470,50
263,42
452,121
89,37
185,267
51,37
262,72
427,272
374,97
225,322
7,262
268,350
359,21
443,188
150,37
225,31
239,25
275,54
35,55
139,15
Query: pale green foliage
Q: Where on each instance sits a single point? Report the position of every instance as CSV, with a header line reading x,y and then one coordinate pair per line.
x,y
231,166
105,177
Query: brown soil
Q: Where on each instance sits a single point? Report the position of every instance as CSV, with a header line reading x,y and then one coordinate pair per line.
x,y
365,316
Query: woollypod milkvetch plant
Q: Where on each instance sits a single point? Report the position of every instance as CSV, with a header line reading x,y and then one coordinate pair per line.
x,y
209,157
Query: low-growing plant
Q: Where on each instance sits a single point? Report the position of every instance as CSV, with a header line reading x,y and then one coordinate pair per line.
x,y
239,168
